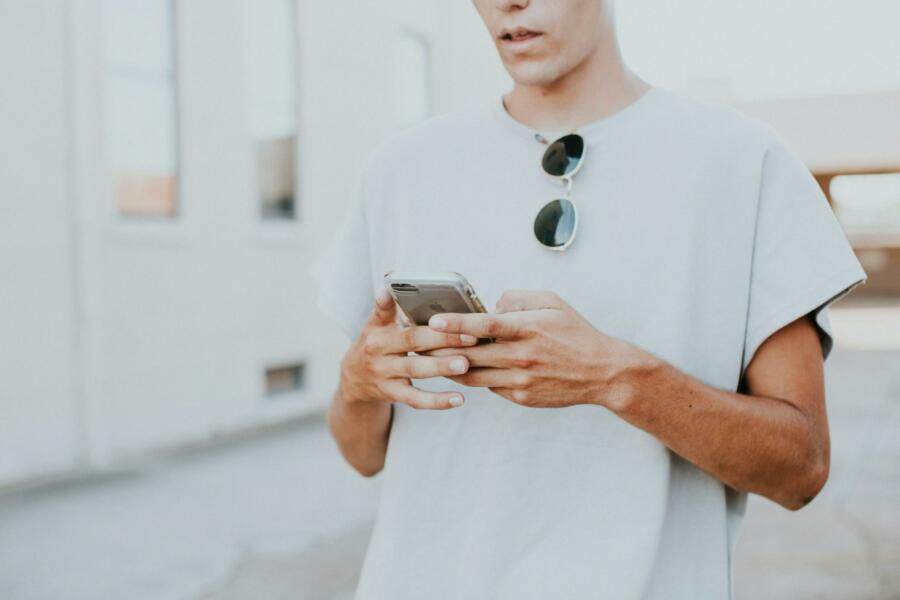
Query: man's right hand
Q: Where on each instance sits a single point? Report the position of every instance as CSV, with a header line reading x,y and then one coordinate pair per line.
x,y
378,367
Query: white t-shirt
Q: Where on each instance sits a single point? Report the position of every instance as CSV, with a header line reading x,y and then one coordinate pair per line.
x,y
700,234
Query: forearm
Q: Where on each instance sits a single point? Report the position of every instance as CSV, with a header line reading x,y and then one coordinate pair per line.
x,y
361,429
752,443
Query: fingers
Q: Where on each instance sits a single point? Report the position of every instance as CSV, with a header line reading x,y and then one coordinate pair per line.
x,y
500,355
423,367
490,377
416,398
385,310
480,325
420,338
516,300
441,352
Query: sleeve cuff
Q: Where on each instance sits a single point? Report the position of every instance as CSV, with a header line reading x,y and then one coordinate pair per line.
x,y
814,299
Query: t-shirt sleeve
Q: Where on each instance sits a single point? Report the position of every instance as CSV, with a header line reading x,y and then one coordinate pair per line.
x,y
342,273
802,261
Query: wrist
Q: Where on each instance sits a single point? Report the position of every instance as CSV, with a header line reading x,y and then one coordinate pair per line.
x,y
348,393
629,380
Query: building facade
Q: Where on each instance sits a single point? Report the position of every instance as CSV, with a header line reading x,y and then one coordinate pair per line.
x,y
168,169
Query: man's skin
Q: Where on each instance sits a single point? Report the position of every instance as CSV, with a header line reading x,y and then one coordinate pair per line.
x,y
770,437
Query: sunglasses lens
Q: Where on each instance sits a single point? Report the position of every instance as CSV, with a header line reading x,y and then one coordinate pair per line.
x,y
563,155
555,224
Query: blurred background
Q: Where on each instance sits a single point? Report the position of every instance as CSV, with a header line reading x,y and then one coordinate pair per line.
x,y
169,167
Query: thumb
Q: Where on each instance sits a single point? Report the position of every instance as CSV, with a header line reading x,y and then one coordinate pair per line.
x,y
385,310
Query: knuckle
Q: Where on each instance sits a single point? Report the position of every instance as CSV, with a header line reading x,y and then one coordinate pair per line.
x,y
523,360
382,390
522,381
418,367
411,400
372,345
520,396
420,400
409,337
376,369
411,367
530,325
491,327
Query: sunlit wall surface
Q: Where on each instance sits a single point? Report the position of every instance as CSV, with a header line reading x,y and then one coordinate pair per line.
x,y
169,169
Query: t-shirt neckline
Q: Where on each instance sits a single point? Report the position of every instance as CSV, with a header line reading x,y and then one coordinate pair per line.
x,y
589,130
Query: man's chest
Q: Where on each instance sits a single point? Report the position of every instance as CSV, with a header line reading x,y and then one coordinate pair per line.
x,y
651,247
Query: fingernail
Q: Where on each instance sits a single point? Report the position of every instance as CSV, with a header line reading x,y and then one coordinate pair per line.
x,y
456,400
458,365
437,323
465,338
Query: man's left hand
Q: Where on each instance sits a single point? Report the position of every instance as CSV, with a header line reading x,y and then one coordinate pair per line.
x,y
546,354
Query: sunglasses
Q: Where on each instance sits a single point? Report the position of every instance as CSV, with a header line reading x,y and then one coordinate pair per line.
x,y
557,222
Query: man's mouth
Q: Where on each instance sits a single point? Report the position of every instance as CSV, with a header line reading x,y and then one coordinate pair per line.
x,y
519,35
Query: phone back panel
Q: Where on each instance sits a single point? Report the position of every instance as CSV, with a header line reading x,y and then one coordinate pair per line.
x,y
430,300
421,296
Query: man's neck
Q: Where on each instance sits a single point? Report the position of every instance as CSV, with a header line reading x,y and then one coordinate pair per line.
x,y
600,86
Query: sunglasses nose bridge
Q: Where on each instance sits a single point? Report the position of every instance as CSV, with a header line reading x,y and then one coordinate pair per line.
x,y
566,181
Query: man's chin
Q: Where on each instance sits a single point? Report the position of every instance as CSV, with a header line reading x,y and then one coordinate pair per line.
x,y
534,74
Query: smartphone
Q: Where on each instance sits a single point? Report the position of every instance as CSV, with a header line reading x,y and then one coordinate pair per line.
x,y
421,295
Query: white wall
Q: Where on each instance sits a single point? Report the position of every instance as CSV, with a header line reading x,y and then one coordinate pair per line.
x,y
39,427
192,313
121,336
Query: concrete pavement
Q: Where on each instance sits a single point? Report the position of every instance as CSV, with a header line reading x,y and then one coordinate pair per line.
x,y
282,516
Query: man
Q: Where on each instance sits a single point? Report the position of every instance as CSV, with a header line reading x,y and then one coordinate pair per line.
x,y
643,381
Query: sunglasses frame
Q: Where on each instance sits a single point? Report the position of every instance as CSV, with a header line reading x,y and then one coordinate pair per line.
x,y
567,181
